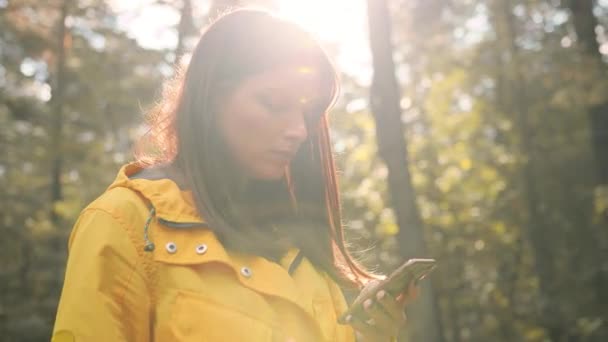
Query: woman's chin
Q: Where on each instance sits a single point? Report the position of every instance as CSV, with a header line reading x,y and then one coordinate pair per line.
x,y
269,173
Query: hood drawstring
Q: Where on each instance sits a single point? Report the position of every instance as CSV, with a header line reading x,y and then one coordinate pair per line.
x,y
149,245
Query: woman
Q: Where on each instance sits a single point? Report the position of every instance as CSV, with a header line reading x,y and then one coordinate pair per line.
x,y
228,227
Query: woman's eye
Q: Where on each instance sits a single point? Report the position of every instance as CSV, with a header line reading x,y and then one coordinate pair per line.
x,y
271,104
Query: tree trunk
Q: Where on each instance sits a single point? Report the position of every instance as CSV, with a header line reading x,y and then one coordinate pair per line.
x,y
585,23
57,241
57,111
424,322
533,224
184,28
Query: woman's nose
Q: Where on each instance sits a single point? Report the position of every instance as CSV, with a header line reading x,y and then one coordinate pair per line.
x,y
296,129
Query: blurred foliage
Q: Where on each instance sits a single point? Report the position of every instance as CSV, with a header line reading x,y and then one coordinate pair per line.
x,y
460,102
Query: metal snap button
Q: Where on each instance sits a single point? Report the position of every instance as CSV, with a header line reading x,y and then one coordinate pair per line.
x,y
201,249
246,271
171,247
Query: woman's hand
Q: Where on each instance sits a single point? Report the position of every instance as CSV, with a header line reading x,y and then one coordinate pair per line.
x,y
384,314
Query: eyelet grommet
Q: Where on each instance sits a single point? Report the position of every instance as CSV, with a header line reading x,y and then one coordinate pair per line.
x,y
201,249
246,272
171,247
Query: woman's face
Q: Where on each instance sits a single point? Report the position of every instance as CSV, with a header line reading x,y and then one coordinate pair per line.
x,y
264,120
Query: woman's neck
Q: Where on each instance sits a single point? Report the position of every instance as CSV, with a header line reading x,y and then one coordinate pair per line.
x,y
163,171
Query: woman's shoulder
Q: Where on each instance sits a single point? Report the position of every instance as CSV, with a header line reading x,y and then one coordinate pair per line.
x,y
122,203
112,218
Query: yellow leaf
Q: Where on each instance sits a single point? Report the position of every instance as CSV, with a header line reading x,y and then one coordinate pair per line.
x,y
465,164
387,229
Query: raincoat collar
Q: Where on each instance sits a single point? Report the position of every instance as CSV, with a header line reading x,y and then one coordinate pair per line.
x,y
171,203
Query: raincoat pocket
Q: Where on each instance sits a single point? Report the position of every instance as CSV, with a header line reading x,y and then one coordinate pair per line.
x,y
197,318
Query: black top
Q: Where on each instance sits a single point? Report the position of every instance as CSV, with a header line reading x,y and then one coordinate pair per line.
x,y
295,263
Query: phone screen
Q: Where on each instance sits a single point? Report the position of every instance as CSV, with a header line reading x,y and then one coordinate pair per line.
x,y
412,270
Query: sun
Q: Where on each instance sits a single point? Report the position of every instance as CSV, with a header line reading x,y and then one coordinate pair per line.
x,y
333,20
339,23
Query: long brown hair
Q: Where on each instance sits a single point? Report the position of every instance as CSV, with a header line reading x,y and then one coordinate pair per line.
x,y
304,207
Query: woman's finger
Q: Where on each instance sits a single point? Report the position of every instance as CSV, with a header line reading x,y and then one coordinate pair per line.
x,y
366,329
410,294
376,315
391,307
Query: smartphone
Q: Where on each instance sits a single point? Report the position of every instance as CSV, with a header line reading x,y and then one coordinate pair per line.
x,y
397,282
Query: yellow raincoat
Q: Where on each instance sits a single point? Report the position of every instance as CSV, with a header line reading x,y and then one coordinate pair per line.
x,y
188,288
